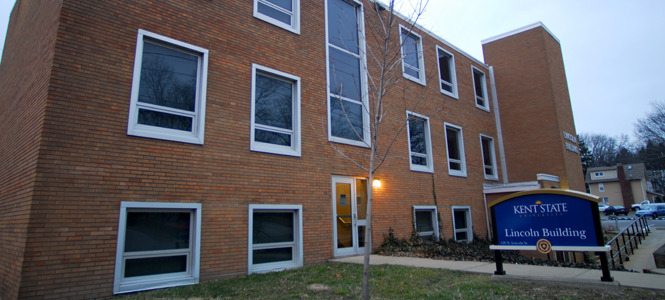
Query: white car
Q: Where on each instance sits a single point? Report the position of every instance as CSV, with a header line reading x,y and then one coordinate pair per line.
x,y
602,207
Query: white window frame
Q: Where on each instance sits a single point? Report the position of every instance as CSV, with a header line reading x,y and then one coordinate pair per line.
x,y
295,20
149,282
483,82
469,224
495,174
366,142
605,200
198,116
294,149
599,174
601,187
297,245
435,220
453,74
462,160
428,139
420,53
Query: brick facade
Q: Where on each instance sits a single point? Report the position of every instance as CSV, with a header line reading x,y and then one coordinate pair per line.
x,y
73,163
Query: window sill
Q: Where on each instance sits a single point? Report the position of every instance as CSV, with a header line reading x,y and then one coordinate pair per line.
x,y
449,94
417,168
456,174
339,140
274,149
484,108
164,134
269,20
414,79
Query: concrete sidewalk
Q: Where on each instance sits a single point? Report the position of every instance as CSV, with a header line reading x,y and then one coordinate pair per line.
x,y
571,277
643,257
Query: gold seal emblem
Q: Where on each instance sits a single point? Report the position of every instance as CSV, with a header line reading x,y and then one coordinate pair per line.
x,y
544,246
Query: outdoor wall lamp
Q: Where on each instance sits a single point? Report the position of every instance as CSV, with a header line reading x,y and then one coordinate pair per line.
x,y
376,183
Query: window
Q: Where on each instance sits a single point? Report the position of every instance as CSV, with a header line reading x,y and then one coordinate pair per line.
x,y
168,90
426,221
158,246
447,75
489,157
281,13
348,114
480,88
275,112
420,147
275,237
605,200
462,223
601,187
455,148
599,174
413,66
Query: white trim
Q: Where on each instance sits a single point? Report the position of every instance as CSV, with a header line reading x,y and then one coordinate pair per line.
x,y
366,141
429,168
355,223
141,283
601,187
555,248
198,116
499,131
295,148
419,52
295,20
519,30
547,177
533,185
495,175
435,220
469,224
297,244
453,73
460,147
483,83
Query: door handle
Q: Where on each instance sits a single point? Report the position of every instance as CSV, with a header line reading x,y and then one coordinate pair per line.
x,y
355,216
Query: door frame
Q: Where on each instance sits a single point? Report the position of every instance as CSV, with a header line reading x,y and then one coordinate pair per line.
x,y
355,223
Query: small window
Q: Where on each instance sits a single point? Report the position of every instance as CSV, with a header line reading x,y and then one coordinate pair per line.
x,y
275,237
605,200
413,66
168,90
489,157
480,89
599,174
455,148
281,13
447,75
462,223
275,112
158,246
601,187
426,221
420,147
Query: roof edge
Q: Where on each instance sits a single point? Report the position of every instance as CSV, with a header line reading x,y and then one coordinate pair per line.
x,y
519,30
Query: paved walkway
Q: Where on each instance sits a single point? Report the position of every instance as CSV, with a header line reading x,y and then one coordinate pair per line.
x,y
643,257
571,277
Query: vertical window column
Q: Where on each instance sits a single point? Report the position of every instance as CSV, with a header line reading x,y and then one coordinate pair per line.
x,y
455,148
420,147
462,223
489,157
413,66
480,89
447,76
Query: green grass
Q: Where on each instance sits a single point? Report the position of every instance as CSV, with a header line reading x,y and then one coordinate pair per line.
x,y
343,281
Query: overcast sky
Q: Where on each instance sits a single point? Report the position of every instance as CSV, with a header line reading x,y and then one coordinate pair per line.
x,y
613,51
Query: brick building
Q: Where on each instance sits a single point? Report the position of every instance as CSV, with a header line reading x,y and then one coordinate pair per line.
x,y
154,144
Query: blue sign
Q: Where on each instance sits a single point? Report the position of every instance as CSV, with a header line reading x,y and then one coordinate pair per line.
x,y
563,219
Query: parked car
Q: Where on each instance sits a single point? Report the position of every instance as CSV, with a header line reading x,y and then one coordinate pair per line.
x,y
616,210
602,207
642,205
652,211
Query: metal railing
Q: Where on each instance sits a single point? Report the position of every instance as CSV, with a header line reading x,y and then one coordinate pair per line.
x,y
630,237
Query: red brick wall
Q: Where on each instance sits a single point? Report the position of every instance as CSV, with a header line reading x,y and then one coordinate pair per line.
x,y
88,164
535,107
24,78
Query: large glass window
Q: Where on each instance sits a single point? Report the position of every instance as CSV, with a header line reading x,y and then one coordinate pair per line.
x,y
275,237
168,90
420,147
348,115
480,89
489,157
158,246
462,223
455,148
447,76
275,112
426,221
281,13
413,66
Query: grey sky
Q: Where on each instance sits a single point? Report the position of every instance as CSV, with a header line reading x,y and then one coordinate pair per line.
x,y
614,51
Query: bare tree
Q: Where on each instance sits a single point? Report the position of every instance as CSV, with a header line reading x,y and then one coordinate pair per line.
x,y
652,127
389,50
605,150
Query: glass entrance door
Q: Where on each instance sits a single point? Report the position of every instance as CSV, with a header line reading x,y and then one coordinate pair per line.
x,y
349,209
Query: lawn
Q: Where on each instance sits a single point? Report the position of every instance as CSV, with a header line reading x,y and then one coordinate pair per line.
x,y
343,281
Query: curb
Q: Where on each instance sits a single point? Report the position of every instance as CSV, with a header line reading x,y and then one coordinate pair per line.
x,y
612,287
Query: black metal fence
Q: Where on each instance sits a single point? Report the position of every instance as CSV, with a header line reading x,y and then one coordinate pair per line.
x,y
627,240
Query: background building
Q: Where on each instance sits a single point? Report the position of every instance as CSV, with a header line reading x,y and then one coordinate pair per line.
x,y
153,144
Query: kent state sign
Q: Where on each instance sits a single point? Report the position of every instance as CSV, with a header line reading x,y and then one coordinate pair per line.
x,y
547,219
